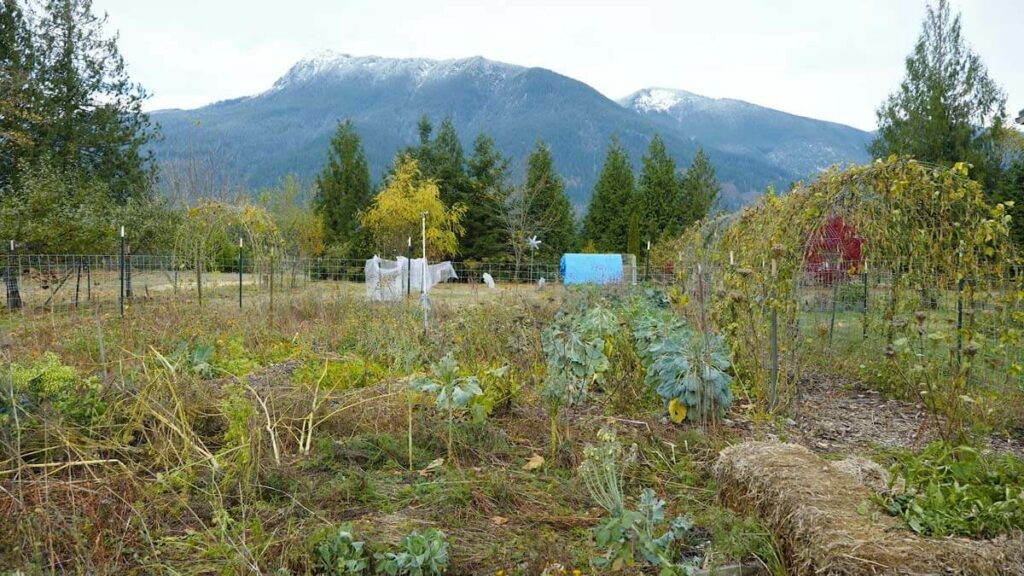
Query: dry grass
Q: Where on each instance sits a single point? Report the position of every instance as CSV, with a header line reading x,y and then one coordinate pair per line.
x,y
827,524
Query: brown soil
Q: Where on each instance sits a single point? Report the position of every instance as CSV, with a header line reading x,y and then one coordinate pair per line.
x,y
840,415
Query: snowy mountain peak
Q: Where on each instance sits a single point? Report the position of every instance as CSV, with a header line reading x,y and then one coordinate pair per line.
x,y
660,99
330,64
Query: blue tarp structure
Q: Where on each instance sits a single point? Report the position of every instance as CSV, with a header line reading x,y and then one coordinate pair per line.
x,y
592,268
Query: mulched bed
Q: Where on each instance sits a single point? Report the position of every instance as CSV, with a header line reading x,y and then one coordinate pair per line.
x,y
840,415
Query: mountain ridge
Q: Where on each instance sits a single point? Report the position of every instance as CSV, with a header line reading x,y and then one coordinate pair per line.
x,y
260,138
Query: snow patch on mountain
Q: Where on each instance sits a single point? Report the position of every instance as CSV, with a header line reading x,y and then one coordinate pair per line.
x,y
656,100
328,64
664,100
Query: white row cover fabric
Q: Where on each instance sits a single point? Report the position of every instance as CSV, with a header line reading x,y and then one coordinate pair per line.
x,y
387,280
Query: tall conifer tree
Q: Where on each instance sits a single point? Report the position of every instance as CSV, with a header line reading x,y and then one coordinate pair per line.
x,y
700,189
487,171
18,93
947,109
343,186
92,111
659,192
549,204
607,221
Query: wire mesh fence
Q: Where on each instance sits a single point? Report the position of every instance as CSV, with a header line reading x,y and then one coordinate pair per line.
x,y
875,313
850,314
62,282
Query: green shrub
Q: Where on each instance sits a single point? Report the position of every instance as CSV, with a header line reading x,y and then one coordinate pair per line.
x,y
957,491
338,375
231,357
453,392
48,381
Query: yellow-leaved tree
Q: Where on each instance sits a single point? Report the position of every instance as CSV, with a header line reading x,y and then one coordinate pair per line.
x,y
394,214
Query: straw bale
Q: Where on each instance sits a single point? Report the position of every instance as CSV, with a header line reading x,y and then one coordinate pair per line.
x,y
827,522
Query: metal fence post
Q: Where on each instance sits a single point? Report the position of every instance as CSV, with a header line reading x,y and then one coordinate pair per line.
x,y
774,343
11,277
647,263
78,280
959,318
865,316
835,297
128,273
240,244
120,298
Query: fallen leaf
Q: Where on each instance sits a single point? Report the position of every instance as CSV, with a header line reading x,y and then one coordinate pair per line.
x,y
535,461
499,520
433,465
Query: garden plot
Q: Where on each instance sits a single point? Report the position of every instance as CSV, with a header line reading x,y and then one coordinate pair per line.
x,y
320,441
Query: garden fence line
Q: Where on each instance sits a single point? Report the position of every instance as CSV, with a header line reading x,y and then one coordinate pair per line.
x,y
841,313
63,282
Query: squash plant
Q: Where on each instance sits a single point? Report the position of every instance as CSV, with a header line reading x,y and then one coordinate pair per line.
x,y
929,240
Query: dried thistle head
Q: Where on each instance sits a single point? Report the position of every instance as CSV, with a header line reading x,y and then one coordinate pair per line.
x,y
971,349
920,316
889,352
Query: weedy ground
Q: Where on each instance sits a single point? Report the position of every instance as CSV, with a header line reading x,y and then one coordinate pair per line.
x,y
208,440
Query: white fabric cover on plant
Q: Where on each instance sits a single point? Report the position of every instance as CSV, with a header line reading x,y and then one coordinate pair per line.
x,y
489,280
387,280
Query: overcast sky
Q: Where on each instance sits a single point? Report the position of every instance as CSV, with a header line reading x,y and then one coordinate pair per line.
x,y
834,60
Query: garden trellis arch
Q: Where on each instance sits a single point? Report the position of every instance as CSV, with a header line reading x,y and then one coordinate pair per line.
x,y
921,238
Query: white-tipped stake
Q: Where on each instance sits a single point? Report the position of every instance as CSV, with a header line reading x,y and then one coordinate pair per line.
x,y
122,231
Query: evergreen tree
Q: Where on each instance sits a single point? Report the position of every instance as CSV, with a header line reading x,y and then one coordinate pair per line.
x,y
447,164
607,220
659,192
633,235
549,206
18,96
700,189
422,153
343,186
1011,189
93,111
424,128
946,109
487,171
